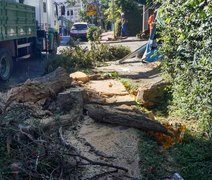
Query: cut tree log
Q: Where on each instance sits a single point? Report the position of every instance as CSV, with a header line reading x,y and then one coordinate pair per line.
x,y
125,118
40,88
70,99
153,94
52,123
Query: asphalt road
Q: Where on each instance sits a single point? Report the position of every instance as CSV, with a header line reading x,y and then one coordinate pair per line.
x,y
23,70
133,45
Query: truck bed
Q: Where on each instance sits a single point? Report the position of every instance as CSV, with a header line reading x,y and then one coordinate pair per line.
x,y
16,21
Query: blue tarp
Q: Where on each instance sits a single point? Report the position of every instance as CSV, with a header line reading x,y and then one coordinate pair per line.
x,y
151,53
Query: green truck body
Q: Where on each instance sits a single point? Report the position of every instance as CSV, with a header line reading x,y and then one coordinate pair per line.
x,y
22,35
16,21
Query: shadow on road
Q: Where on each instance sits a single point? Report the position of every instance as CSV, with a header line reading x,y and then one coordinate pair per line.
x,y
23,70
153,73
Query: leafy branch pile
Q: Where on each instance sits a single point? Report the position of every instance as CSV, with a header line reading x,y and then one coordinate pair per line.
x,y
94,33
75,58
32,143
187,44
30,152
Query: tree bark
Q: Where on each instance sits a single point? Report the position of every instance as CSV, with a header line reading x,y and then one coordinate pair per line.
x,y
39,88
51,123
125,118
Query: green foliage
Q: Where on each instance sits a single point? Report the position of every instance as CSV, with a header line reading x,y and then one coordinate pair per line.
x,y
71,3
132,13
112,15
94,33
192,159
118,27
154,164
84,17
118,51
187,44
125,4
130,85
111,75
134,19
76,58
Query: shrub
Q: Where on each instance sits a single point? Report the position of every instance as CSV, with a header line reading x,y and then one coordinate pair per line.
x,y
187,44
75,58
94,33
119,51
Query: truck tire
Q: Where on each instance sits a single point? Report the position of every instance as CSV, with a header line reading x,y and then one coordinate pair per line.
x,y
6,64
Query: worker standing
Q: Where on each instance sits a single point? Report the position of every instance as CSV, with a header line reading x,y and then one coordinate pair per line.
x,y
151,22
123,25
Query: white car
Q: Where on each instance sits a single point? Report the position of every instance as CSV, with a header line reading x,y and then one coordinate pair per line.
x,y
79,30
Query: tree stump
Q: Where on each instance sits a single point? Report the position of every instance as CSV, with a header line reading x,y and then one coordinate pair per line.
x,y
40,88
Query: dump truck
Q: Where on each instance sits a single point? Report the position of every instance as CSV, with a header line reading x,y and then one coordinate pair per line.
x,y
27,27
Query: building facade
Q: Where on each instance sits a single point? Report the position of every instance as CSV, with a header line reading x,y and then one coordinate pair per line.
x,y
72,13
68,15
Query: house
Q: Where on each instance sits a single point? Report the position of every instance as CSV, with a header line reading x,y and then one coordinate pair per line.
x,y
73,13
68,15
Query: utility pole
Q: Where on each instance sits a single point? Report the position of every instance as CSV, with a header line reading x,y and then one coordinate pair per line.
x,y
99,14
144,15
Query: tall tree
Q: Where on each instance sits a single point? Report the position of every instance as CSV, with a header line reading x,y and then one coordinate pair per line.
x,y
71,3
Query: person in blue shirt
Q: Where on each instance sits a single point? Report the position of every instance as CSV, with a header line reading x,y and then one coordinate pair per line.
x,y
123,25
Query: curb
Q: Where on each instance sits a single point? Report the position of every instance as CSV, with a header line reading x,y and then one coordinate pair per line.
x,y
121,41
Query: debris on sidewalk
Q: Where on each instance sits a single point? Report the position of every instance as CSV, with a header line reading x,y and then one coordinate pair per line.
x,y
33,115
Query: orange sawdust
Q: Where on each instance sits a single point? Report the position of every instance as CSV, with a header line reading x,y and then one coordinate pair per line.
x,y
176,131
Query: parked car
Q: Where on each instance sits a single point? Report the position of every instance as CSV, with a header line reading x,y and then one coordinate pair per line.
x,y
79,30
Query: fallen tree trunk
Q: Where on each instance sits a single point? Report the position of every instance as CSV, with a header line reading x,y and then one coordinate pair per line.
x,y
40,88
125,118
49,124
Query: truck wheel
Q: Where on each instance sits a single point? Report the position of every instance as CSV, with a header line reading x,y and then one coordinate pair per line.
x,y
6,64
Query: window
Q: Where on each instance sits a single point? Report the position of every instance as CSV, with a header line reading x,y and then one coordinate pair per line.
x,y
63,10
44,7
79,27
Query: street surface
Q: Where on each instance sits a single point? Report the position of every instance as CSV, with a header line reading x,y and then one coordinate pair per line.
x,y
133,45
31,68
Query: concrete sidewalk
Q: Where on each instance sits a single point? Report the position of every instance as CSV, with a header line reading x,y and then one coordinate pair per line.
x,y
108,37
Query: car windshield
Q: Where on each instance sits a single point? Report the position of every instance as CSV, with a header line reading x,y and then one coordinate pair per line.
x,y
79,26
